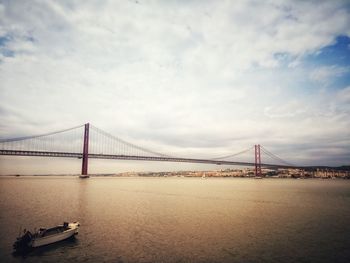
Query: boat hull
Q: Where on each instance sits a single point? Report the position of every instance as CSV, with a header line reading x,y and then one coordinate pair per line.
x,y
46,240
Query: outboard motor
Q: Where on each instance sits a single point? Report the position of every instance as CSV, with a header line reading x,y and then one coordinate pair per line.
x,y
23,242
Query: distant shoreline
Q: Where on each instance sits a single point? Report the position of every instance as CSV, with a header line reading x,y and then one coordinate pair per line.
x,y
157,176
324,173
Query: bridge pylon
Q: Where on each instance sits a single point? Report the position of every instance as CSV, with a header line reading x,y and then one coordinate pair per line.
x,y
85,159
257,161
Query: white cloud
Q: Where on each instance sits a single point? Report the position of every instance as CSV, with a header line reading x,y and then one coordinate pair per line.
x,y
325,74
344,95
170,74
286,109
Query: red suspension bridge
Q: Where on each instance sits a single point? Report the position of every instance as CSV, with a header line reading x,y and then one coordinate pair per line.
x,y
86,141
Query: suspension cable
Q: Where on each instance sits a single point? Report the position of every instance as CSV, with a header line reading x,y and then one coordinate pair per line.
x,y
232,155
275,156
127,143
38,136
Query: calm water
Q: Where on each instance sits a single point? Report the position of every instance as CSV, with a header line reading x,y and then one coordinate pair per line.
x,y
181,219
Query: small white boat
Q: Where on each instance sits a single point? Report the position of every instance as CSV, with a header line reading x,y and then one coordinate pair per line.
x,y
46,236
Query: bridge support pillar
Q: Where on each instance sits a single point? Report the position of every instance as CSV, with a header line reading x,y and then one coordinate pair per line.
x,y
84,168
257,161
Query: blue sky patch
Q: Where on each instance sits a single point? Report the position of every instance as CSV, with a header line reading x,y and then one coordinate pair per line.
x,y
4,40
336,54
7,52
4,50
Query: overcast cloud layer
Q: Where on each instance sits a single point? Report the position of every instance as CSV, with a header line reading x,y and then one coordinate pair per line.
x,y
191,78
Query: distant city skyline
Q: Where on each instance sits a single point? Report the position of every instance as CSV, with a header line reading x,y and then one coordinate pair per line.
x,y
191,78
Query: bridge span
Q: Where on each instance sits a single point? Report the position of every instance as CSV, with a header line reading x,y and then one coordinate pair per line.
x,y
106,146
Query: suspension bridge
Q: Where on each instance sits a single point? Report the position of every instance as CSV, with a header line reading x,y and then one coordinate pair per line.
x,y
87,141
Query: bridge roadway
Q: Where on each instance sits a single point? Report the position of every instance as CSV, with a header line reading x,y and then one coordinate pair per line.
x,y
134,157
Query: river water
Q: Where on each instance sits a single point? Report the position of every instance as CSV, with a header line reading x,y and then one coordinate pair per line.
x,y
180,219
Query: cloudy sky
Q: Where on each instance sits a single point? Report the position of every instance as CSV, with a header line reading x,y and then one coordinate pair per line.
x,y
191,78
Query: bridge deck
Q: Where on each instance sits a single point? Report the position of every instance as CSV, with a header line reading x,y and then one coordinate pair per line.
x,y
132,157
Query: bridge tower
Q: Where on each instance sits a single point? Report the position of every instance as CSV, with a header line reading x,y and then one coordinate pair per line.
x,y
84,168
257,160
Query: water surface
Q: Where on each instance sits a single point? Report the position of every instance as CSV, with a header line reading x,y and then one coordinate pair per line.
x,y
180,219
